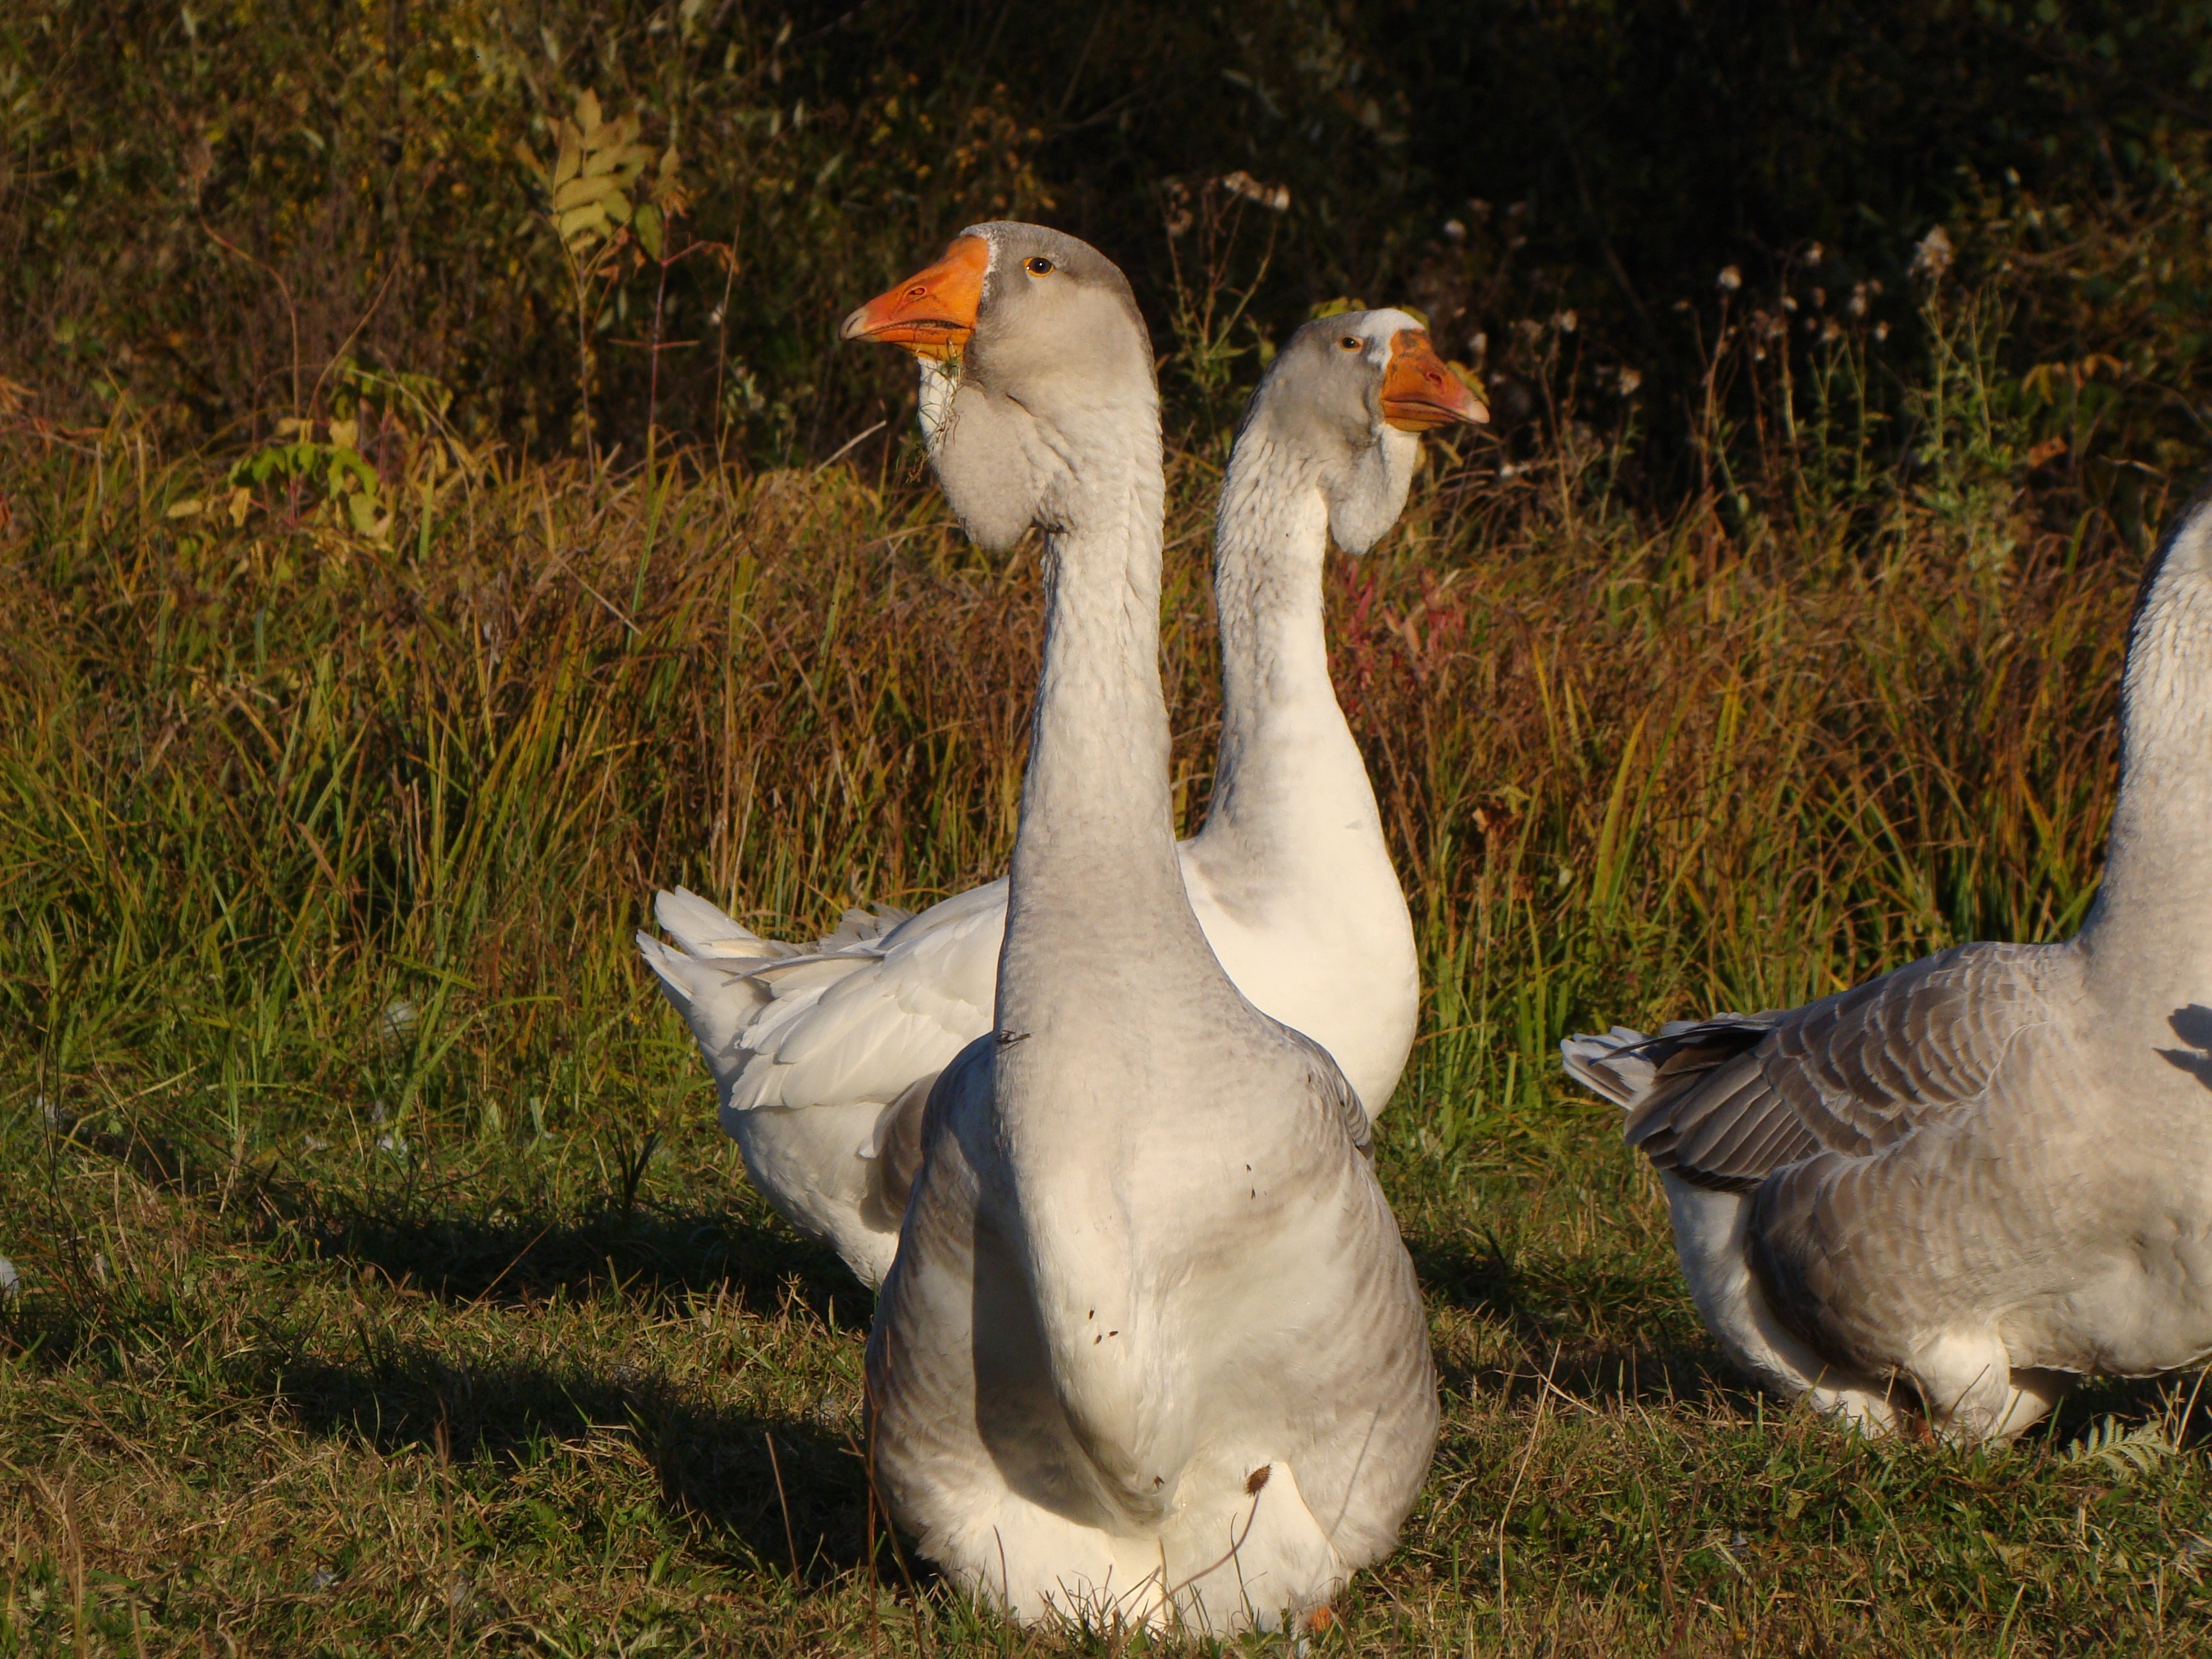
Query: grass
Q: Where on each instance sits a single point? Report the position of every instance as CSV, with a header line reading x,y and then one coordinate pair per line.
x,y
387,1288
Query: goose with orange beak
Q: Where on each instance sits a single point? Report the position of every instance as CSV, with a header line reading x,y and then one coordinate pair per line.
x,y
824,1056
1150,1352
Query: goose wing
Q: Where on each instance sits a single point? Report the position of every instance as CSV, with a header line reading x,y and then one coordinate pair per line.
x,y
885,1000
1728,1101
865,1020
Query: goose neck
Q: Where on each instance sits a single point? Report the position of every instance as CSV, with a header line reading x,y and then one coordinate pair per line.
x,y
1284,741
2155,899
1095,841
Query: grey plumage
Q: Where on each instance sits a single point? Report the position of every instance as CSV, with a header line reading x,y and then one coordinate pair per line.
x,y
1989,1171
1730,1101
1150,1349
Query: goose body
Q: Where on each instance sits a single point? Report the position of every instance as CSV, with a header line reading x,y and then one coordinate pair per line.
x,y
823,1057
1988,1173
1150,1350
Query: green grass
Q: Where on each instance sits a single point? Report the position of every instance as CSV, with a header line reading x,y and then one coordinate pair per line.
x,y
387,1288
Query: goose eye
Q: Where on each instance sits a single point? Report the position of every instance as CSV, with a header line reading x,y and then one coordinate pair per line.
x,y
1352,343
1038,266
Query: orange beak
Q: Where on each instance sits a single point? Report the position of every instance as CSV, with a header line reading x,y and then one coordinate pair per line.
x,y
933,312
1420,391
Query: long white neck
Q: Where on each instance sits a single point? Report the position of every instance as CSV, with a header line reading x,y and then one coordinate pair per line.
x,y
1289,778
1094,854
2153,918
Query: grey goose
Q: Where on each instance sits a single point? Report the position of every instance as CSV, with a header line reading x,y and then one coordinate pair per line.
x,y
1988,1173
1151,1351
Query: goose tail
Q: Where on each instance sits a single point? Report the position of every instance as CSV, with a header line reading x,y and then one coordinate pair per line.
x,y
1613,1067
708,973
708,934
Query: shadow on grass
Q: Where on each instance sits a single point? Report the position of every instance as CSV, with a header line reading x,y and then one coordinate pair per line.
x,y
711,1463
651,1251
1563,1317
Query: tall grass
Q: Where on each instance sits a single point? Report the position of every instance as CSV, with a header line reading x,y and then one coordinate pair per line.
x,y
321,849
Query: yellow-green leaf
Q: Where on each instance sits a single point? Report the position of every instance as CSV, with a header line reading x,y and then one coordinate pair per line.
x,y
648,227
618,206
577,191
631,159
577,221
587,112
571,157
191,508
529,157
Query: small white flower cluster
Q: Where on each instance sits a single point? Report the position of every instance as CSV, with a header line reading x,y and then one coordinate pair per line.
x,y
1932,255
1276,198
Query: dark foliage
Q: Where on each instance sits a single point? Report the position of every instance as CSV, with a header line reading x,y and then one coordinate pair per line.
x,y
208,206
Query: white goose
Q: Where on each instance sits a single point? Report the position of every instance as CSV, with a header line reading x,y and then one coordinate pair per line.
x,y
1990,1173
1150,1350
823,1055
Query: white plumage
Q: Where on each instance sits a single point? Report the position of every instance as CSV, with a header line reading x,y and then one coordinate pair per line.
x,y
817,1053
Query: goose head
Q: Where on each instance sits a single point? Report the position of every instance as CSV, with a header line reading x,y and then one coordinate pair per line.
x,y
1034,361
1350,394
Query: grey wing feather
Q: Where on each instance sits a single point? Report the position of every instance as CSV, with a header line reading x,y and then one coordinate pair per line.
x,y
1725,1102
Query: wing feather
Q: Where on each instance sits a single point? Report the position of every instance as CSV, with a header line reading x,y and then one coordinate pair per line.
x,y
1725,1102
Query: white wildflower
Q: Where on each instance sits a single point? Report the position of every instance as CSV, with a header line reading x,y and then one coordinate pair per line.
x,y
1276,198
1932,255
1730,279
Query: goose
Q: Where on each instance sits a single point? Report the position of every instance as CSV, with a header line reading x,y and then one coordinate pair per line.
x,y
1150,1352
1988,1173
824,1056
